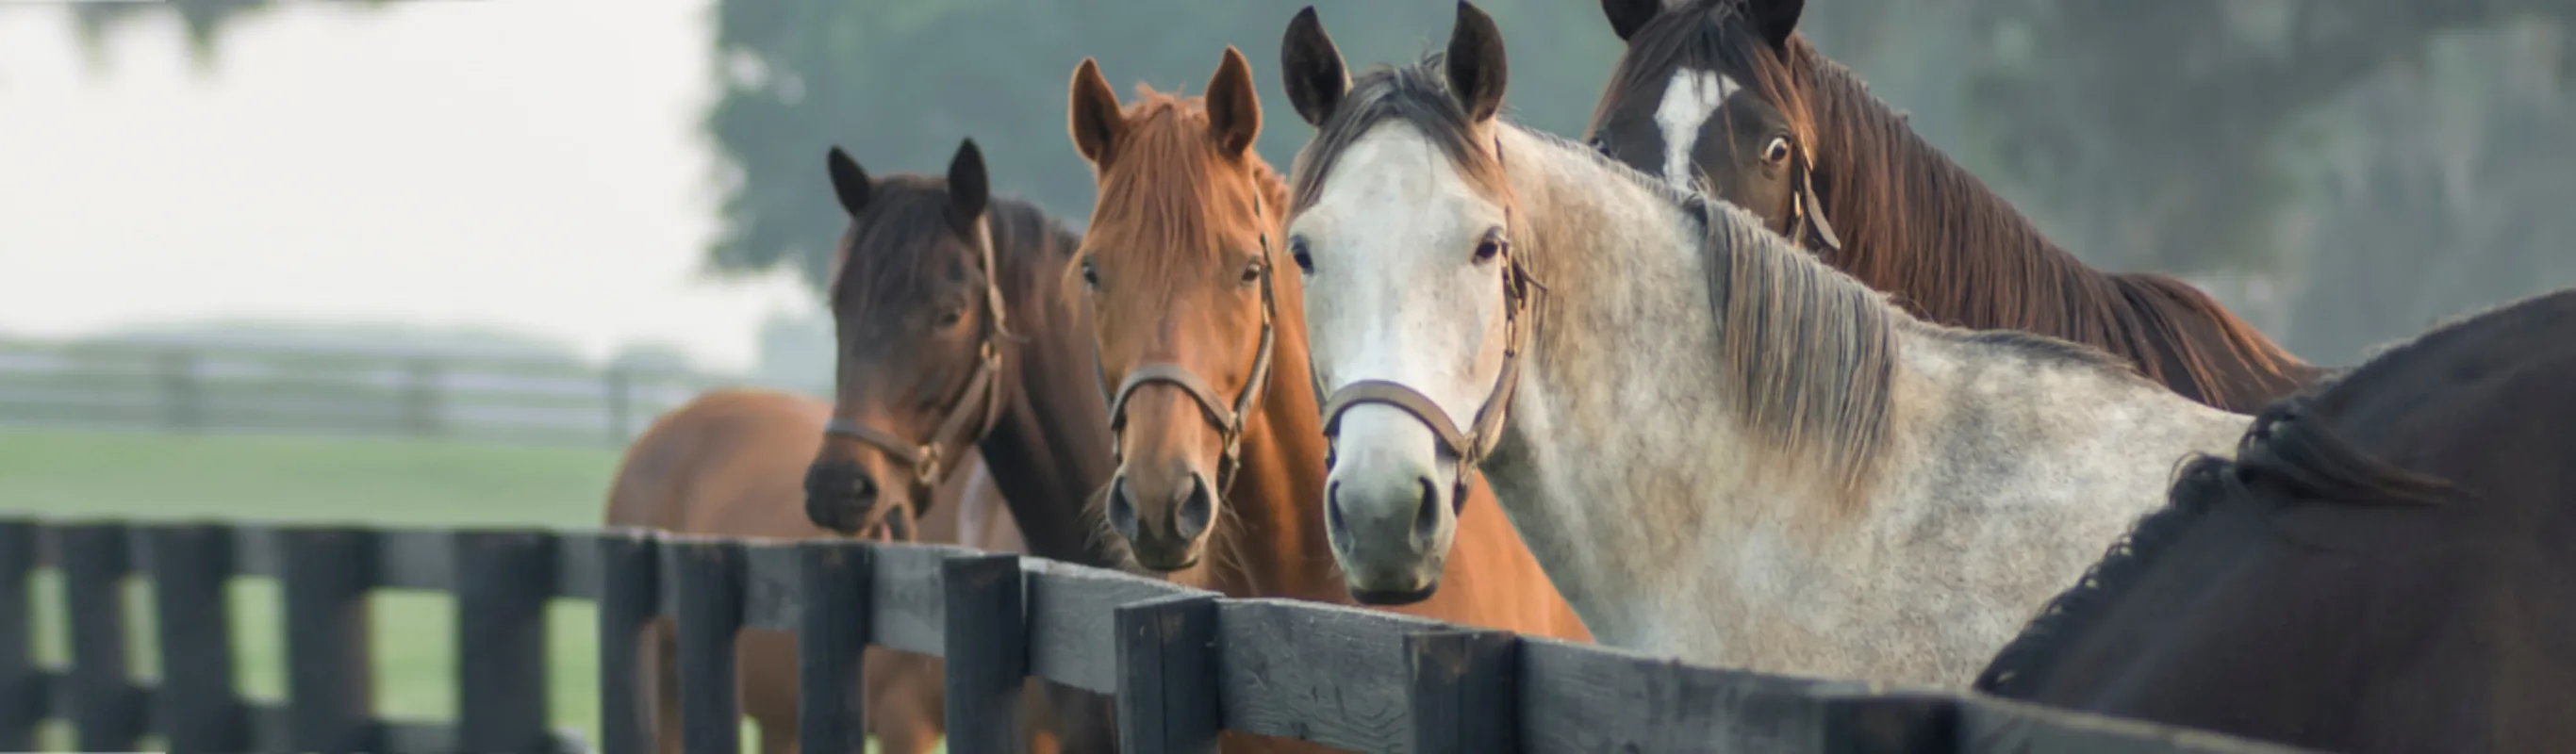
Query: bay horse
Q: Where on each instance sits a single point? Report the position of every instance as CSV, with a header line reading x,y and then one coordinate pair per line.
x,y
1718,446
1724,95
953,338
2383,567
727,463
1222,454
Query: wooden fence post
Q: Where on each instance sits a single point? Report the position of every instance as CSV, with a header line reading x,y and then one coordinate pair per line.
x,y
503,581
630,599
106,712
420,398
987,648
1465,690
330,688
710,573
22,691
831,646
618,388
1167,683
183,397
197,708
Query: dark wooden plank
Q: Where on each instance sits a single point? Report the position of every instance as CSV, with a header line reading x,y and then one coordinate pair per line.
x,y
22,687
630,567
419,559
1987,724
257,550
1891,723
330,686
406,736
905,605
579,572
987,652
106,714
1465,694
1322,673
1579,698
710,576
1167,685
503,580
771,597
831,713
197,708
1073,639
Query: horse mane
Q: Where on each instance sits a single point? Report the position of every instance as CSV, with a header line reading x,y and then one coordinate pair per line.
x,y
1949,261
1154,195
1816,385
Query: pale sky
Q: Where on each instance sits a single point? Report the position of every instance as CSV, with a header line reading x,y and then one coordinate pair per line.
x,y
532,164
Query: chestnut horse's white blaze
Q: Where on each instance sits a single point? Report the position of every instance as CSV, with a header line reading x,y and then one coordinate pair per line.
x,y
1720,449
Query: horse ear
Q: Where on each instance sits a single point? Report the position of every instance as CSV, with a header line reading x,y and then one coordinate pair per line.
x,y
1475,63
1312,67
1096,122
968,190
1627,16
1777,19
1234,109
848,181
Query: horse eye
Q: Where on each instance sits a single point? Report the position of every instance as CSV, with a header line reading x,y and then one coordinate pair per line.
x,y
1297,251
952,316
1490,248
1090,276
1777,152
1252,272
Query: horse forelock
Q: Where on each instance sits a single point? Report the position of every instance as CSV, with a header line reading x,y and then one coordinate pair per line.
x,y
1169,197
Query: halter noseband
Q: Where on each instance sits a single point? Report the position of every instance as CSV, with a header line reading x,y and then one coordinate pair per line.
x,y
1471,447
1229,419
924,457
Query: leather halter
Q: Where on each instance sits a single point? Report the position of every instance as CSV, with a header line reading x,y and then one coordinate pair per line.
x,y
1229,419
928,466
1806,212
1519,309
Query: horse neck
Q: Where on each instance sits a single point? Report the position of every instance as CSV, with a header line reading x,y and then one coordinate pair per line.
x,y
1050,450
1916,225
1272,541
1624,322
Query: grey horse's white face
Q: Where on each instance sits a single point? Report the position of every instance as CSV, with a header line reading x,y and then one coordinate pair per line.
x,y
1403,285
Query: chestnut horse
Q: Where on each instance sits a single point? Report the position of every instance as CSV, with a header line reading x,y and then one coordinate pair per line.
x,y
952,338
727,463
1221,474
1724,95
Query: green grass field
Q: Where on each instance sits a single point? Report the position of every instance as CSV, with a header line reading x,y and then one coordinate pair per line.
x,y
381,482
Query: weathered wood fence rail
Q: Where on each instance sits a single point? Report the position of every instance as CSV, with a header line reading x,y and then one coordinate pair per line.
x,y
1183,664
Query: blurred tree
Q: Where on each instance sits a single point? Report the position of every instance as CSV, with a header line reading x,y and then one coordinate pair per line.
x,y
899,82
203,20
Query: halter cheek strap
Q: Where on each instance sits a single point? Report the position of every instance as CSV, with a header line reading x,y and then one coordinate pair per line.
x,y
983,387
1806,212
1471,447
1229,419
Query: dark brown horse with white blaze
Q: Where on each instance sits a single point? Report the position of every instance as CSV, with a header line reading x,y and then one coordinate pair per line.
x,y
2384,567
954,340
727,463
1221,445
1726,95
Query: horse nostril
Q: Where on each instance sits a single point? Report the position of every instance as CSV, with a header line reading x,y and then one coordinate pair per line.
x,y
1426,519
1334,528
1122,509
1197,510
837,495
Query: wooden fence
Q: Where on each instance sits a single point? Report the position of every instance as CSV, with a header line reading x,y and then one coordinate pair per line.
x,y
237,389
1182,664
